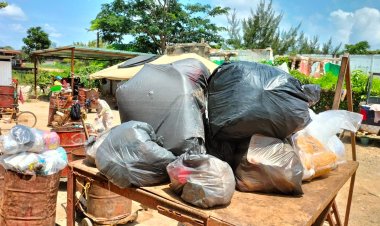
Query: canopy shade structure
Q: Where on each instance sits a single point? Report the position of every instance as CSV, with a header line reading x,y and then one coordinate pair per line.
x,y
123,71
87,53
79,52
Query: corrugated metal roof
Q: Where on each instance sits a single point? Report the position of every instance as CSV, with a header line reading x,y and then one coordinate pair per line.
x,y
81,52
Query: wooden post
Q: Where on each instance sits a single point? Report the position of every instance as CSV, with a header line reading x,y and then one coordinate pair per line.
x,y
35,75
345,74
342,74
72,69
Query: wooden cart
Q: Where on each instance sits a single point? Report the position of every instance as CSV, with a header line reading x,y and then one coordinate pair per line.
x,y
244,209
9,106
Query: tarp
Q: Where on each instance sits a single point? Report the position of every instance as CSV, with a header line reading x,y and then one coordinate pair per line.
x,y
116,73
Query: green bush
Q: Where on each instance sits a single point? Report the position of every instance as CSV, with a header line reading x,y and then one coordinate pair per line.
x,y
328,84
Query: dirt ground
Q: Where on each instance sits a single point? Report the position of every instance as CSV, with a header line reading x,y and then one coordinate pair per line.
x,y
366,199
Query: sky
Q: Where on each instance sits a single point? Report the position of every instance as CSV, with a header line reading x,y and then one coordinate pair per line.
x,y
67,21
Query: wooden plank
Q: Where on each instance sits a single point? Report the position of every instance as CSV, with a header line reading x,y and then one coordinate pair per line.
x,y
245,208
339,85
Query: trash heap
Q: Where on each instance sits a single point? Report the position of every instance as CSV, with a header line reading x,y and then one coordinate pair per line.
x,y
247,126
31,151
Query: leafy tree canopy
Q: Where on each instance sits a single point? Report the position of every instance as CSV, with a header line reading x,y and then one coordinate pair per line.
x,y
154,23
358,48
3,5
36,39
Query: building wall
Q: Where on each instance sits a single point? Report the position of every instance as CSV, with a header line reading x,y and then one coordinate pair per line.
x,y
5,73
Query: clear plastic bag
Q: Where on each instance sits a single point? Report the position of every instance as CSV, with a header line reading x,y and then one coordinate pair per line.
x,y
24,162
270,165
52,161
316,159
319,147
202,179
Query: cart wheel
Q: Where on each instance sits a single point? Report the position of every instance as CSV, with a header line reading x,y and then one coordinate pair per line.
x,y
86,222
26,118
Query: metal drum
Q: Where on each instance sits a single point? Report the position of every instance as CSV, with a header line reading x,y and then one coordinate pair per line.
x,y
29,200
106,207
72,140
2,172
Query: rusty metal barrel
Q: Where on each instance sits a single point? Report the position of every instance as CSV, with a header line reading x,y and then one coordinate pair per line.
x,y
29,200
72,140
2,172
106,207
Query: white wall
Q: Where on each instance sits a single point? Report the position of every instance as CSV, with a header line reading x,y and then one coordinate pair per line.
x,y
5,73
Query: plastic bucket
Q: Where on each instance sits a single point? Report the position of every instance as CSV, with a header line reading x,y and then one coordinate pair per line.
x,y
29,200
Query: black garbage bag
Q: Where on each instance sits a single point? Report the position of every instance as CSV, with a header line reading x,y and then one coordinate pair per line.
x,y
246,98
129,155
202,179
271,166
170,98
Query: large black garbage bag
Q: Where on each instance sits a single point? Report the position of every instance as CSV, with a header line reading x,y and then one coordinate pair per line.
x,y
170,98
202,179
246,98
270,165
129,155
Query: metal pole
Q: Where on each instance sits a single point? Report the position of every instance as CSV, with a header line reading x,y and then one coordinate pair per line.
x,y
35,76
72,69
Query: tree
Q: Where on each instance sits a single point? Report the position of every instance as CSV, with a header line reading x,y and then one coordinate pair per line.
x,y
36,39
157,22
233,29
6,47
260,29
3,5
327,47
285,41
358,48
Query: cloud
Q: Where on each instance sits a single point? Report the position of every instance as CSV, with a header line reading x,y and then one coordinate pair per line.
x,y
13,11
52,31
361,25
18,28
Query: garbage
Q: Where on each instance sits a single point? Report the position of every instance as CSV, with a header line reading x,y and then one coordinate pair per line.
x,y
92,145
130,155
202,179
316,159
319,147
172,102
22,138
45,163
246,98
270,165
31,151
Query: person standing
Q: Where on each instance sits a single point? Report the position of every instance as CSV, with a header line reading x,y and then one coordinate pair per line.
x,y
104,112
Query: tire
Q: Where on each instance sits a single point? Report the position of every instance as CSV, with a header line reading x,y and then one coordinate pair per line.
x,y
86,222
26,118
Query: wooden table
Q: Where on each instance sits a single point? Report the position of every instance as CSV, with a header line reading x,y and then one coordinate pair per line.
x,y
244,209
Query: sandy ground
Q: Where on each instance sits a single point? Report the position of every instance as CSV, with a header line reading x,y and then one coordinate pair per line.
x,y
366,199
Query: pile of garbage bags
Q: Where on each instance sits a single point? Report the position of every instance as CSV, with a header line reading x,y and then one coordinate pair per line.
x,y
130,155
247,126
171,98
31,151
